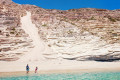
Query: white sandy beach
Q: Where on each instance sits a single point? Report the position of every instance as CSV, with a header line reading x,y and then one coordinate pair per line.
x,y
63,66
35,57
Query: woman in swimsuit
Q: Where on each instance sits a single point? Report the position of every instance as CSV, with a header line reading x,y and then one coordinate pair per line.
x,y
27,68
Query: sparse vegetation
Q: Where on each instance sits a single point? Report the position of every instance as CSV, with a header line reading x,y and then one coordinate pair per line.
x,y
44,25
92,18
112,19
12,32
7,35
17,34
0,31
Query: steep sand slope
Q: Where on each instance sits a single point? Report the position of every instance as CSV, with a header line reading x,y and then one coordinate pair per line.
x,y
35,54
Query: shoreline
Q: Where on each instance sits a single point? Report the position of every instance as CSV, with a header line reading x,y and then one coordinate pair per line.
x,y
62,71
9,69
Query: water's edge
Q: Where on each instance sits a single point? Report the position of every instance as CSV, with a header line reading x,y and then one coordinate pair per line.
x,y
68,76
23,73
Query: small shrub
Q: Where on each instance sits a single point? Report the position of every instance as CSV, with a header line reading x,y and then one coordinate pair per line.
x,y
112,19
12,32
92,18
17,34
44,25
7,35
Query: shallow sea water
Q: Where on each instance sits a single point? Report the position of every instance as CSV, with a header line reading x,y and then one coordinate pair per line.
x,y
75,76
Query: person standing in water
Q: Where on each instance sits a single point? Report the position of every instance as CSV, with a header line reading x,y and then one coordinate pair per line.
x,y
27,68
36,69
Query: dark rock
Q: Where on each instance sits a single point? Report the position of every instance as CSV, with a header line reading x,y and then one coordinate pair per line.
x,y
105,58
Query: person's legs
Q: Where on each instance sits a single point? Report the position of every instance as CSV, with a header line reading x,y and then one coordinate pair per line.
x,y
27,70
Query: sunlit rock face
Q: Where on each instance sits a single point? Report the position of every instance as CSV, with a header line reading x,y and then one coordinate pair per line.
x,y
13,40
76,34
6,2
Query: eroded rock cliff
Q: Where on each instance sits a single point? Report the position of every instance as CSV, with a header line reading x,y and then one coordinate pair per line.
x,y
76,34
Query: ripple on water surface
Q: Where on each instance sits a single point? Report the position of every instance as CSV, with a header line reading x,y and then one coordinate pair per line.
x,y
81,76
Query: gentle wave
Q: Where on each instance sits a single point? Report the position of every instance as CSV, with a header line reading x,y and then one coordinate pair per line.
x,y
80,76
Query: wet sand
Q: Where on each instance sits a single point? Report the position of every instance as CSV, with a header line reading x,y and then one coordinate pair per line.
x,y
18,69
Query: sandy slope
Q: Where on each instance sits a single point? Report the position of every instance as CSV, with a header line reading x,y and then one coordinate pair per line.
x,y
35,56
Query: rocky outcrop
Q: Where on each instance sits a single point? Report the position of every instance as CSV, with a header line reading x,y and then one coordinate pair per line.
x,y
12,38
6,2
76,34
105,58
110,57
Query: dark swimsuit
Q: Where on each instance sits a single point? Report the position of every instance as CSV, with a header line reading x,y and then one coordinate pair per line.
x,y
27,68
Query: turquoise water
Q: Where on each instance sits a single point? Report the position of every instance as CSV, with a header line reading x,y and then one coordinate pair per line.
x,y
81,76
